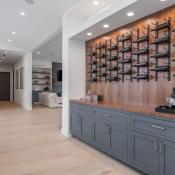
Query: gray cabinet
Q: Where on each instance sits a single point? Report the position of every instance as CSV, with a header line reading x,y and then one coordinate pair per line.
x,y
101,131
75,124
167,157
146,143
144,152
86,128
118,142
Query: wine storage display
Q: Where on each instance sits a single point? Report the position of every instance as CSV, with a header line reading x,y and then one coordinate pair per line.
x,y
134,55
165,30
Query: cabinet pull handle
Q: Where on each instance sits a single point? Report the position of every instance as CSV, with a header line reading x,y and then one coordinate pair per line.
x,y
158,127
160,148
105,115
108,130
156,146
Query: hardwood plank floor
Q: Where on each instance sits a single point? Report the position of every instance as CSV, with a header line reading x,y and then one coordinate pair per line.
x,y
31,144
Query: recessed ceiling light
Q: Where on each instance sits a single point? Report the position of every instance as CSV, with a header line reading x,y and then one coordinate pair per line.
x,y
106,25
38,52
13,32
22,13
30,2
130,14
89,34
9,40
162,0
95,2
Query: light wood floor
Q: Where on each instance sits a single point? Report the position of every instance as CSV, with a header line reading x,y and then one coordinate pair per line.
x,y
31,144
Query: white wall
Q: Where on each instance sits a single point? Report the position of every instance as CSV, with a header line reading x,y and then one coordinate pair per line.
x,y
8,68
24,96
73,74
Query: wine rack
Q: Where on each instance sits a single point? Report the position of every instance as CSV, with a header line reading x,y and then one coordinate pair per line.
x,y
144,52
165,40
127,57
126,49
112,60
102,61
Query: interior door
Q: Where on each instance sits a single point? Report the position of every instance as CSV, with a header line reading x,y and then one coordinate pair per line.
x,y
5,86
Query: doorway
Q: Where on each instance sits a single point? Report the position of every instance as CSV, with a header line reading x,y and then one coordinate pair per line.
x,y
5,86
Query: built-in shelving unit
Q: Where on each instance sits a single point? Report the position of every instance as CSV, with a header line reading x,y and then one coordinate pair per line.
x,y
41,79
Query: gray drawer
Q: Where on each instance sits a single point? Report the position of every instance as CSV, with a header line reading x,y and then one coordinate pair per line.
x,y
80,108
156,126
111,115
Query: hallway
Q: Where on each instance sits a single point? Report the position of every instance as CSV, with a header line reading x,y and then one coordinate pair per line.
x,y
30,144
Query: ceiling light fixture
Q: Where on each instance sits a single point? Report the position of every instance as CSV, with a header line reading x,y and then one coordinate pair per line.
x,y
89,34
30,2
9,40
38,52
13,32
22,13
130,14
162,0
95,2
106,25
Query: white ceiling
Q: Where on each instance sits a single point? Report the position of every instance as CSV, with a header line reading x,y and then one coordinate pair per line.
x,y
41,20
141,9
11,57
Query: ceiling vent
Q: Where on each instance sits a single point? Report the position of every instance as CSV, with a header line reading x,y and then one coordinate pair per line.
x,y
3,55
30,2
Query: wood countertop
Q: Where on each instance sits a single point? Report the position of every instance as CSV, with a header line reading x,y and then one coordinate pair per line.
x,y
127,108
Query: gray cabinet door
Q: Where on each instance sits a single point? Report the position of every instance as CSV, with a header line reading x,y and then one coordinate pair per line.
x,y
101,134
86,132
75,124
144,152
118,142
167,158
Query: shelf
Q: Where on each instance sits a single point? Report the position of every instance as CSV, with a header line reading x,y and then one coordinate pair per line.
x,y
101,65
125,61
162,55
38,84
112,58
142,64
102,56
142,77
165,39
112,78
41,73
101,46
101,74
126,72
114,47
141,52
124,38
41,78
161,69
112,68
142,39
162,26
126,49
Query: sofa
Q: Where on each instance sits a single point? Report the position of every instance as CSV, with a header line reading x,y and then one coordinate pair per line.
x,y
50,99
